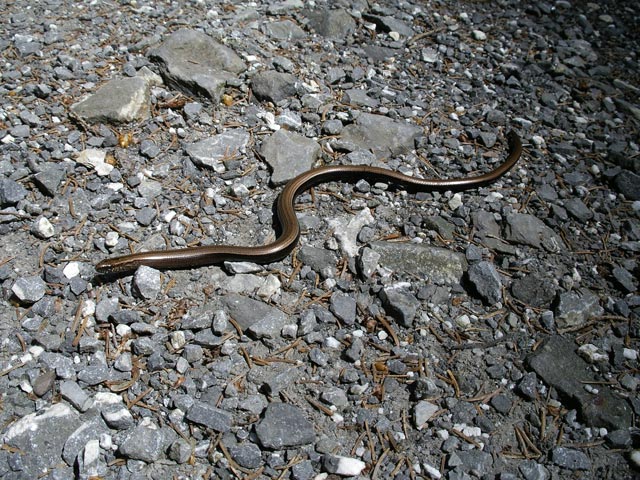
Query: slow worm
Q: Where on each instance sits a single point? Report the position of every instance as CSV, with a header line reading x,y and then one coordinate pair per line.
x,y
286,242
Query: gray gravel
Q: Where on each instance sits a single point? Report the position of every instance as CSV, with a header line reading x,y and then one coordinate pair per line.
x,y
491,333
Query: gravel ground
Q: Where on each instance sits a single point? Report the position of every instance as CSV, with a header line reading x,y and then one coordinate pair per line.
x,y
491,333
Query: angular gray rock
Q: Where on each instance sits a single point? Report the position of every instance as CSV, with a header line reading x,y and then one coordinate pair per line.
x,y
570,459
214,150
247,455
534,290
46,432
261,319
381,135
29,289
628,184
289,154
49,178
486,280
147,282
75,395
401,304
387,23
180,451
284,30
117,101
529,230
269,326
578,210
89,430
577,307
210,417
532,470
557,364
277,378
11,192
475,460
487,231
441,265
343,307
625,279
144,442
274,86
193,62
330,23
284,426
319,259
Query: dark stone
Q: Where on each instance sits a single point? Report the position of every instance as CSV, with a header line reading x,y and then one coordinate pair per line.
x,y
578,210
570,459
143,442
274,86
210,417
284,426
45,432
401,305
534,290
628,184
194,62
247,455
557,364
486,280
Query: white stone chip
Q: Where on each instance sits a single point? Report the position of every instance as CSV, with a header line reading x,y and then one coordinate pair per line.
x,y
270,119
345,466
91,452
36,350
94,157
123,329
177,339
423,412
493,196
88,308
433,472
71,270
538,141
43,228
463,322
590,353
479,35
332,343
111,239
106,441
346,230
467,430
107,398
337,418
270,287
455,201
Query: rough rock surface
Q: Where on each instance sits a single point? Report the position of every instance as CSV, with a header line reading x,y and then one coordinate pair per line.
x,y
486,332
